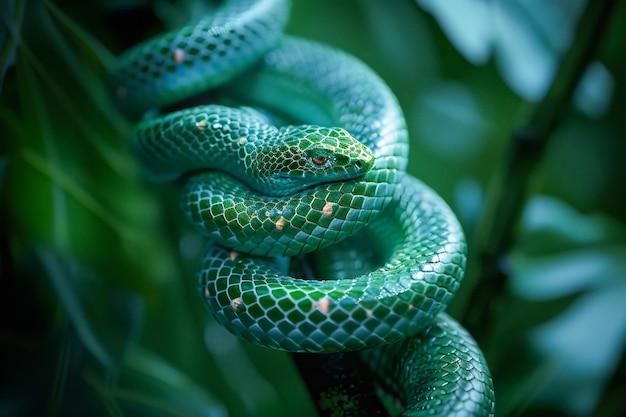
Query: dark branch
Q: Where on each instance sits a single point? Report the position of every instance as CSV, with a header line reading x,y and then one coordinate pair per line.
x,y
339,384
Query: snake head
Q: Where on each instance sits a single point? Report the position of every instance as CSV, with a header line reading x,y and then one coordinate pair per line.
x,y
305,156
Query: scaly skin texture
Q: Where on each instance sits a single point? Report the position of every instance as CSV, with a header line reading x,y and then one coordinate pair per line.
x,y
274,161
254,299
179,64
438,372
312,200
352,97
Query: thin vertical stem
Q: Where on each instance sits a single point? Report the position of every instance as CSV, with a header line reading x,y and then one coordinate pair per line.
x,y
495,235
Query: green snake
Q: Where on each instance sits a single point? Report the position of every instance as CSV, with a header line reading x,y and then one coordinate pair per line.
x,y
262,188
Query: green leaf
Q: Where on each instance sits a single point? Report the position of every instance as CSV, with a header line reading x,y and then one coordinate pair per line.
x,y
467,25
62,276
586,343
549,225
595,91
11,13
525,37
583,256
150,386
449,120
561,275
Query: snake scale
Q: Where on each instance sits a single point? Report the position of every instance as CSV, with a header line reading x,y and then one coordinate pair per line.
x,y
263,188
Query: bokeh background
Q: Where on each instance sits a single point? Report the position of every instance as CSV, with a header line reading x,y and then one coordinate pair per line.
x,y
100,314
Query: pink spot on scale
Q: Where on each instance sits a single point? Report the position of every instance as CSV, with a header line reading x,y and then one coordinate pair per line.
x,y
179,55
237,305
323,305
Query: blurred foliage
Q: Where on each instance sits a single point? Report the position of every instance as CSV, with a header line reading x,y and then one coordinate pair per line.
x,y
99,307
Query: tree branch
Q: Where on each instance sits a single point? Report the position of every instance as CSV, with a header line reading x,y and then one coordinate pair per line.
x,y
339,384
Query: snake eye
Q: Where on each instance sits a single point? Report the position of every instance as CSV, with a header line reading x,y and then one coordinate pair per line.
x,y
319,160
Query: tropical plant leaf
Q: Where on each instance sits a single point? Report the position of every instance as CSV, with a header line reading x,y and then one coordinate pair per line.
x,y
526,38
11,12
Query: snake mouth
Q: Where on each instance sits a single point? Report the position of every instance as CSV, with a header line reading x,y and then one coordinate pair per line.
x,y
304,183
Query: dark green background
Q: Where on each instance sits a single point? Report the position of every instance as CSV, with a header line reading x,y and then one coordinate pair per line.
x,y
100,314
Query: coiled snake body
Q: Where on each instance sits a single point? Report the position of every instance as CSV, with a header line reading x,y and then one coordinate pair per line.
x,y
261,192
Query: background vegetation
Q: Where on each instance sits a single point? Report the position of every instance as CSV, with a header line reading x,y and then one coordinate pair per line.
x,y
99,310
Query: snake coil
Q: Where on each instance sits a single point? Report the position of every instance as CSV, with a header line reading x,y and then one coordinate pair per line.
x,y
260,192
